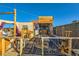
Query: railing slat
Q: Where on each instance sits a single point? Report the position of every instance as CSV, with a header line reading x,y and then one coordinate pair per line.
x,y
61,37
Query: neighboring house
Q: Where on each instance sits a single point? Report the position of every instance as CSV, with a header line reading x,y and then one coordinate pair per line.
x,y
64,30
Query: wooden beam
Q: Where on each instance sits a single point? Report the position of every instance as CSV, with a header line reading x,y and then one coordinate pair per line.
x,y
6,13
47,38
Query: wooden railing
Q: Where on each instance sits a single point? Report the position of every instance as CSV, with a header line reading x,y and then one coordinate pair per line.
x,y
18,46
20,43
60,38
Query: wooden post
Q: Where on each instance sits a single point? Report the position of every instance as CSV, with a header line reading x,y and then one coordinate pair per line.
x,y
63,31
21,46
14,23
21,43
66,33
42,47
51,29
70,47
70,44
3,47
56,31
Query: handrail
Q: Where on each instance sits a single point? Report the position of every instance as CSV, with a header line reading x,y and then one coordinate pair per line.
x,y
69,38
62,37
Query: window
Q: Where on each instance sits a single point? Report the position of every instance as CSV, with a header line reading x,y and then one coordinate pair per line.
x,y
25,27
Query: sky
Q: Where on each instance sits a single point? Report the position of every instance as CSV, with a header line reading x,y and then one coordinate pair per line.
x,y
63,13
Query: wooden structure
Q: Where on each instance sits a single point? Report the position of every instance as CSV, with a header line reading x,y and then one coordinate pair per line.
x,y
45,25
5,41
27,28
74,27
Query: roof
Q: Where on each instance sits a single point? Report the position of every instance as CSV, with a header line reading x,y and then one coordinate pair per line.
x,y
6,21
45,19
68,24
